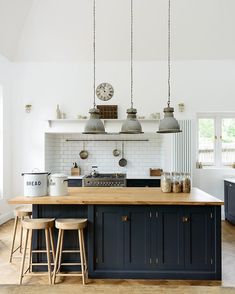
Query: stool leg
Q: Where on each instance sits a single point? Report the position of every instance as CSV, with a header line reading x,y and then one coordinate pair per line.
x,y
81,256
30,250
23,257
61,249
48,254
21,234
52,245
84,250
57,256
13,238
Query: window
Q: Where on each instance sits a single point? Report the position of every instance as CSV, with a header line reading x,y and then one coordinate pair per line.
x,y
206,142
216,140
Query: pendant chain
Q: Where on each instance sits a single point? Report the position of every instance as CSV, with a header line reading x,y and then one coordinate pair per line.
x,y
132,33
169,53
94,50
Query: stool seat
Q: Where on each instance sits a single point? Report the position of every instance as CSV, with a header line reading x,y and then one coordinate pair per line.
x,y
22,211
71,223
38,223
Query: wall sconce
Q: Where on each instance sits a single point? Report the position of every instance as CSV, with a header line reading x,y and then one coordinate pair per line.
x,y
181,107
28,108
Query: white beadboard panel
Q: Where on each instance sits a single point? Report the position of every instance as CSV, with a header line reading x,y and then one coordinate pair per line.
x,y
182,148
59,154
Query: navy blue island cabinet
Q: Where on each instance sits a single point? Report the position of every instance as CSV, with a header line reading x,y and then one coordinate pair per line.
x,y
155,242
229,201
137,233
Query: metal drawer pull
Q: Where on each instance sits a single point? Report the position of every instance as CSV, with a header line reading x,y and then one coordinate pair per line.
x,y
124,218
185,219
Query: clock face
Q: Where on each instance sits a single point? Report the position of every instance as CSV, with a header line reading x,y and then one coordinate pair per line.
x,y
104,91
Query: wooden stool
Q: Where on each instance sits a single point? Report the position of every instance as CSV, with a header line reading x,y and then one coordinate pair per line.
x,y
70,224
37,224
20,213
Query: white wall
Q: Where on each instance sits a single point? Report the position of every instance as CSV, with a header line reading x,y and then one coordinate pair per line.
x,y
58,35
61,30
5,82
202,85
13,14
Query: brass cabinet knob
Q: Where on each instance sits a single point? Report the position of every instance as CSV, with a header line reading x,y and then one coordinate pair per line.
x,y
124,218
185,219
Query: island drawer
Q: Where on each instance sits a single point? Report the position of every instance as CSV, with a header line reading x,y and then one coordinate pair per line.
x,y
143,182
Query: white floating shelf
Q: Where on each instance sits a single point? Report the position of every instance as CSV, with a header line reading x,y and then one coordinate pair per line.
x,y
54,121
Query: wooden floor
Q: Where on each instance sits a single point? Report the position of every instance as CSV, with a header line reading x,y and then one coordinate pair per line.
x,y
9,272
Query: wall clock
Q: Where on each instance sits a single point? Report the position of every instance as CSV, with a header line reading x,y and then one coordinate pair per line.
x,y
104,91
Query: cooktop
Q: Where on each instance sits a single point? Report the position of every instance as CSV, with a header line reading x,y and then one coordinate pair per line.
x,y
107,176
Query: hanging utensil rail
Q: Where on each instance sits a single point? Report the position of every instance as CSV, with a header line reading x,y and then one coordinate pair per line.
x,y
112,140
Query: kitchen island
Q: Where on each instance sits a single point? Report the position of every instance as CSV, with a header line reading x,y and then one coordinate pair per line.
x,y
140,232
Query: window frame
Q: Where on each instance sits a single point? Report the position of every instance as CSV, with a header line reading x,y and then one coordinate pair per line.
x,y
217,135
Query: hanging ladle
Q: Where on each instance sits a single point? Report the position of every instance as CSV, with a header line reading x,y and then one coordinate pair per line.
x,y
116,151
83,154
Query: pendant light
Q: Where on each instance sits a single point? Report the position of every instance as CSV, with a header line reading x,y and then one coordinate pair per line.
x,y
131,125
94,125
169,124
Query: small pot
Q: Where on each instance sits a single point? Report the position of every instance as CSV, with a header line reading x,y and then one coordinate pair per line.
x,y
122,162
58,185
35,183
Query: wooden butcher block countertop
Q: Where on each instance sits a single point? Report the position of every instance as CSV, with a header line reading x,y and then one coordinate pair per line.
x,y
126,196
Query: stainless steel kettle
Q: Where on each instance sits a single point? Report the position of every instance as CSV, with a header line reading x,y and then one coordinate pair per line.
x,y
94,172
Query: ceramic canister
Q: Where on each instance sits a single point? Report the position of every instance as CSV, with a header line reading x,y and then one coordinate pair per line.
x,y
58,185
35,183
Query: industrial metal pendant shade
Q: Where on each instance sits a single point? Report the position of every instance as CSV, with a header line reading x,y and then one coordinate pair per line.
x,y
131,125
169,124
94,125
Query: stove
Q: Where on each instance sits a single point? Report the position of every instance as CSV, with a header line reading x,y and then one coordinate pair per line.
x,y
105,180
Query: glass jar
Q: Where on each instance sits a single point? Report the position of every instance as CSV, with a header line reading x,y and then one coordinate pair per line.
x,y
176,185
181,180
166,182
187,183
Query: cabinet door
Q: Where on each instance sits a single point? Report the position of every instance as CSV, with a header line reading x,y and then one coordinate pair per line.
x,y
108,238
199,238
169,238
230,201
137,242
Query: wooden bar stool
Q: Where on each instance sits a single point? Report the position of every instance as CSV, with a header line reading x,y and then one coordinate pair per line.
x,y
70,224
20,213
37,224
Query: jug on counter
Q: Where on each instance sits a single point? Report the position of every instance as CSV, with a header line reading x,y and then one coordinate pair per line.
x,y
58,185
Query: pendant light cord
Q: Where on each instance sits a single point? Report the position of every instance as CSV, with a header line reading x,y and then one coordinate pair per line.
x,y
132,33
169,53
94,50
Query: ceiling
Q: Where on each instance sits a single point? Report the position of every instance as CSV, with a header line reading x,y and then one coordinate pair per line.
x,y
61,30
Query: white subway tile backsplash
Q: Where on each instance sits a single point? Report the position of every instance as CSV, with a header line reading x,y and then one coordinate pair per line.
x,y
59,154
